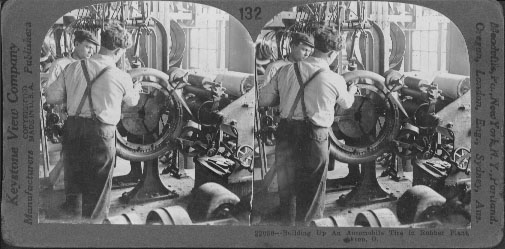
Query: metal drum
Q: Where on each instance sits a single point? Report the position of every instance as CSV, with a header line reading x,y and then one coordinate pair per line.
x,y
415,83
174,215
452,85
236,83
124,219
382,217
199,79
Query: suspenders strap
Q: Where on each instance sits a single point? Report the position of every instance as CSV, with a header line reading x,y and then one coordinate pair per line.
x,y
87,92
300,93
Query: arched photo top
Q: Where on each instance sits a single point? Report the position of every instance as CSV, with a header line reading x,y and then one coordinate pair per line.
x,y
216,36
388,85
191,69
411,38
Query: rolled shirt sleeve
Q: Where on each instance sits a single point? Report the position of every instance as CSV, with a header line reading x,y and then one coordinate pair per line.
x,y
56,91
131,96
344,98
57,68
54,71
269,94
272,69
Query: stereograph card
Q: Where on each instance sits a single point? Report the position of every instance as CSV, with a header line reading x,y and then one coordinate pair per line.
x,y
196,129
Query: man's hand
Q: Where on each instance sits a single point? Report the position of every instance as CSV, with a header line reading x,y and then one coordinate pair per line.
x,y
393,80
137,86
352,88
177,74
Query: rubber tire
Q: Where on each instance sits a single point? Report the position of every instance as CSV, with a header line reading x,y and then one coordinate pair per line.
x,y
415,201
208,200
131,154
124,219
332,221
382,217
365,154
173,215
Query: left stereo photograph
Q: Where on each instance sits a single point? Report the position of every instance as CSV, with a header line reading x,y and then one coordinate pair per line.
x,y
146,116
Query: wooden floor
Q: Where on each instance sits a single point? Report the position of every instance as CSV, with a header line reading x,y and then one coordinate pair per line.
x,y
264,205
50,199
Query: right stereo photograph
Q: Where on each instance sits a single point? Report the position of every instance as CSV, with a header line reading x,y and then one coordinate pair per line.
x,y
364,118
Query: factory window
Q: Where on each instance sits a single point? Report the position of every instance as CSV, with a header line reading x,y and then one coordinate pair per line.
x,y
428,41
206,39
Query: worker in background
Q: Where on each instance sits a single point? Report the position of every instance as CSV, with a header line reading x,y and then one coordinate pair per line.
x,y
84,46
301,46
93,90
307,113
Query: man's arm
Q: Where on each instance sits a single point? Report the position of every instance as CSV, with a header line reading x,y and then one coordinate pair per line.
x,y
56,91
54,71
269,94
270,73
345,97
132,92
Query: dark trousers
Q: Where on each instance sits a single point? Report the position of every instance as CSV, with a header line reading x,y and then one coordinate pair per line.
x,y
90,148
301,158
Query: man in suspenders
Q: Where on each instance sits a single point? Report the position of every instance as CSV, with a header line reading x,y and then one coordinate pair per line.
x,y
84,46
301,47
93,90
306,93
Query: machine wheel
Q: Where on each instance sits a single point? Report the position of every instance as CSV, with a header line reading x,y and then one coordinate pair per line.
x,y
415,201
462,157
374,117
155,121
212,201
382,217
245,155
174,215
124,219
332,221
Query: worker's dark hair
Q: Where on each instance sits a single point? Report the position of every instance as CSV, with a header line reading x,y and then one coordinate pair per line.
x,y
327,39
114,36
84,35
301,38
